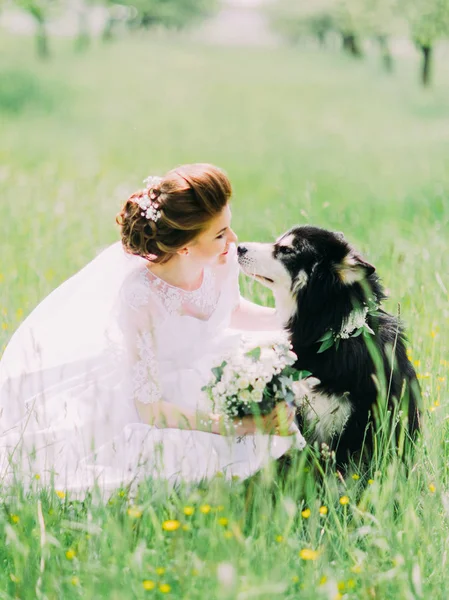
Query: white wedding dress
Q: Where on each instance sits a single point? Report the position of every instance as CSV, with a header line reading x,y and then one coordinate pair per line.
x,y
111,335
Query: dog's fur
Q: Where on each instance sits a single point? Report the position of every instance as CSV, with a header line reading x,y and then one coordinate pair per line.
x,y
318,279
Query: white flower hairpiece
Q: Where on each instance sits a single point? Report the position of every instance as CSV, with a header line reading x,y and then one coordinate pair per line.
x,y
148,202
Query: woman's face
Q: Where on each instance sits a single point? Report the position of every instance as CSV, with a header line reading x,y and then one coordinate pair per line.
x,y
211,246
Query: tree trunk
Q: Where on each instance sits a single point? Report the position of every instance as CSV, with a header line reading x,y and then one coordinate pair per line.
x,y
321,37
351,44
387,58
108,31
42,40
82,40
427,51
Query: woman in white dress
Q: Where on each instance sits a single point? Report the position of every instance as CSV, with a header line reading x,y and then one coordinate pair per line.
x,y
101,385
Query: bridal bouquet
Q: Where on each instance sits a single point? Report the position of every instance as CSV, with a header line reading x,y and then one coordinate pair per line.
x,y
254,380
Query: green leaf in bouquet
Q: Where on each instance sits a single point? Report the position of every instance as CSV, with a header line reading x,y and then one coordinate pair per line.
x,y
303,375
255,353
218,371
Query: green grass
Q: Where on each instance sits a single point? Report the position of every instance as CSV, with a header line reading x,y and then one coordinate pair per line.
x,y
305,137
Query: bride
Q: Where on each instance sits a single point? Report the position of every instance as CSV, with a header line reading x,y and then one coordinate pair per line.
x,y
101,385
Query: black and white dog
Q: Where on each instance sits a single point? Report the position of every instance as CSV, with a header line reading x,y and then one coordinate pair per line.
x,y
329,300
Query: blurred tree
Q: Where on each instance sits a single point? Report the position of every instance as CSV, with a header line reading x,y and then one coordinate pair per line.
x,y
296,19
429,22
82,40
165,13
349,18
382,20
40,10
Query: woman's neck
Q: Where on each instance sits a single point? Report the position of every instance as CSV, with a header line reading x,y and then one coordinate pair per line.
x,y
179,272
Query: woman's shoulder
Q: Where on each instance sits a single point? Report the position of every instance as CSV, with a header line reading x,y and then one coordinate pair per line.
x,y
136,289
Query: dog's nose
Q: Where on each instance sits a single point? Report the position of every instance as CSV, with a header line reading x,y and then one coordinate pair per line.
x,y
241,250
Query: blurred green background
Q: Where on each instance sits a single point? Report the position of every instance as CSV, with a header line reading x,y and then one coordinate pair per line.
x,y
334,113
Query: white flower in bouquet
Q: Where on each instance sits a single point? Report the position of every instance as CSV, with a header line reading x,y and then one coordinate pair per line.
x,y
254,380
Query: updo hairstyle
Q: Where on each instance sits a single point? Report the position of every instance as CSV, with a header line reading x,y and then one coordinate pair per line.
x,y
188,198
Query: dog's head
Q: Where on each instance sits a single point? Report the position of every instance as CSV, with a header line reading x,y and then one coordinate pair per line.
x,y
308,267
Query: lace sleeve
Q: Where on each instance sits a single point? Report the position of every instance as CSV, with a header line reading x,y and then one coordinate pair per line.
x,y
137,324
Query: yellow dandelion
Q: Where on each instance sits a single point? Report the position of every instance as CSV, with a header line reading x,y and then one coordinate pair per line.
x,y
417,363
5,326
323,580
134,512
295,578
425,375
344,500
121,494
171,525
70,554
337,596
75,580
223,521
15,518
279,538
19,313
228,534
441,379
219,474
60,494
356,569
235,478
160,570
355,477
189,510
432,488
2,278
306,513
205,509
370,481
148,584
351,583
164,588
186,527
37,476
195,572
323,510
433,334
341,586
308,554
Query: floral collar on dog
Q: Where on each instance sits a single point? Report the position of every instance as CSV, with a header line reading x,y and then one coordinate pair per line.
x,y
354,326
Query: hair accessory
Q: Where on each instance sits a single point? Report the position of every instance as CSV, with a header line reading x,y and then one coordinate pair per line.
x,y
148,202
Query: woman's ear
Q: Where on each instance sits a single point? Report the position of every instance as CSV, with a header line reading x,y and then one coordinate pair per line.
x,y
353,268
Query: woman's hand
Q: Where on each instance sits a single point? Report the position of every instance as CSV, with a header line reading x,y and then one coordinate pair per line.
x,y
277,422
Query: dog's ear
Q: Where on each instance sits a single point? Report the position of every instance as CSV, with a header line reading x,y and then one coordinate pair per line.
x,y
353,268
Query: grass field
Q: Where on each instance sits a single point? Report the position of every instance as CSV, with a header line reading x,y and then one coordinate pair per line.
x,y
305,137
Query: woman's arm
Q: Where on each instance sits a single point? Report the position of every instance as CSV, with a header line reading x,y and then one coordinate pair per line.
x,y
253,317
164,415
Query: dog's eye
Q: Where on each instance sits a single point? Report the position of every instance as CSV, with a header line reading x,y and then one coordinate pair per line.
x,y
286,250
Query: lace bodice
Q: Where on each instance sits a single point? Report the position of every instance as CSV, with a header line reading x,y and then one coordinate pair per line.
x,y
199,303
170,331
